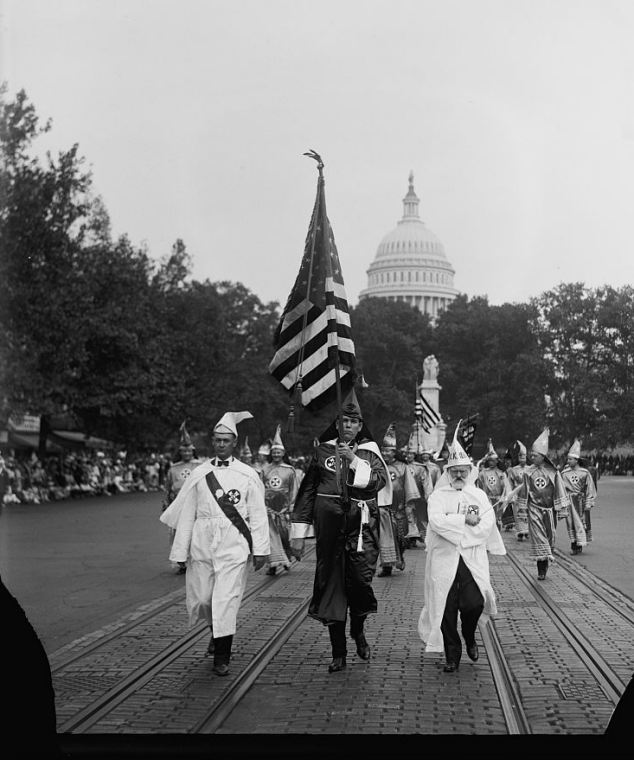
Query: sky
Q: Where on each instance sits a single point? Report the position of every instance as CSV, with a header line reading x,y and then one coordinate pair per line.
x,y
515,116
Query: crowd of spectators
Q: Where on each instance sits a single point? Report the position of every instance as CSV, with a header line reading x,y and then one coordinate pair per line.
x,y
27,479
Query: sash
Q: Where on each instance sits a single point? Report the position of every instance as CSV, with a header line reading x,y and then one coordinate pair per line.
x,y
225,503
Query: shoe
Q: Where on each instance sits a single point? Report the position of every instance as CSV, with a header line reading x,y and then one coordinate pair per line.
x,y
363,648
337,664
541,576
520,537
385,571
210,647
271,571
579,550
450,667
182,568
221,669
472,651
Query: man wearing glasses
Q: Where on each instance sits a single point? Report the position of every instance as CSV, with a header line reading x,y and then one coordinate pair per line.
x,y
462,528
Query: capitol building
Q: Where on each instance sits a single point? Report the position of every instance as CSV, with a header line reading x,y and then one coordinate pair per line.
x,y
410,264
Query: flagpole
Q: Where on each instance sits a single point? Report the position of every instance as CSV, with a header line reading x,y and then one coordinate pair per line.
x,y
341,477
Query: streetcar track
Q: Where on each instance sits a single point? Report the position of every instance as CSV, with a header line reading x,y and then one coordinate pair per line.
x,y
114,696
614,598
609,682
223,708
508,694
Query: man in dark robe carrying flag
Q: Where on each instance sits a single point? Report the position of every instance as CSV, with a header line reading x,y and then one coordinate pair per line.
x,y
337,500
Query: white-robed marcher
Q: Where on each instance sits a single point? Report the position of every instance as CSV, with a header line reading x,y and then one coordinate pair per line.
x,y
212,532
461,530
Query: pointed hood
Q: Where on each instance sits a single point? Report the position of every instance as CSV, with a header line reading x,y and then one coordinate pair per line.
x,y
184,439
277,440
350,406
389,439
228,422
265,448
491,452
415,443
521,449
457,455
575,449
540,444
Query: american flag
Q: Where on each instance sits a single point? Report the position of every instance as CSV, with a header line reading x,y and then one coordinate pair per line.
x,y
314,333
426,413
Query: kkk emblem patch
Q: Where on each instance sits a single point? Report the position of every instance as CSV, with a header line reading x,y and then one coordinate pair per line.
x,y
234,495
491,480
392,475
185,474
540,482
574,478
329,464
274,482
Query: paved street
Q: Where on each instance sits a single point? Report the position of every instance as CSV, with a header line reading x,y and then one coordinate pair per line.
x,y
75,565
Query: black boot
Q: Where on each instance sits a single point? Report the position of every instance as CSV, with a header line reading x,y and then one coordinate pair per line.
x,y
337,633
222,655
356,632
542,568
385,570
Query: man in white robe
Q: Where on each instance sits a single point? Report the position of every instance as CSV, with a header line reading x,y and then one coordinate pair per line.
x,y
461,529
212,534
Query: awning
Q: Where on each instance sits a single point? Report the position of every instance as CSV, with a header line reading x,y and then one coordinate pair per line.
x,y
73,436
30,441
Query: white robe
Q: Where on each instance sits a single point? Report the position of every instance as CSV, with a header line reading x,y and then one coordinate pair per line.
x,y
449,538
215,551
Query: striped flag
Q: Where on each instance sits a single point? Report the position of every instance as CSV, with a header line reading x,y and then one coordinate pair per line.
x,y
418,413
314,333
428,415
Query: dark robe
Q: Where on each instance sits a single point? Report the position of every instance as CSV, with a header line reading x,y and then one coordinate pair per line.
x,y
343,576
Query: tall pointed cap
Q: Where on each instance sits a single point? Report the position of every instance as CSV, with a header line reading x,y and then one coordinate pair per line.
x,y
277,440
540,444
227,423
575,449
415,443
184,439
491,452
350,406
265,448
457,455
389,439
521,449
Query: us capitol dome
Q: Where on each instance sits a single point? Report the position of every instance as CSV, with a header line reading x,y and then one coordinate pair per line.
x,y
410,264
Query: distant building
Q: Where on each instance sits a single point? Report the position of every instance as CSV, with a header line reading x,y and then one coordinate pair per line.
x,y
410,264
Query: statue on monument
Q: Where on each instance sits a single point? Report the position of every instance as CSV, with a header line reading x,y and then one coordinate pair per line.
x,y
430,368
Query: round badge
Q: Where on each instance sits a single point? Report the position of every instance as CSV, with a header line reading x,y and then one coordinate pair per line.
x,y
234,496
491,480
540,482
329,464
574,478
185,474
274,482
392,475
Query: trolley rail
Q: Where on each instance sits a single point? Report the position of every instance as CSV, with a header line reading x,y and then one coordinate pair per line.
x,y
609,681
92,713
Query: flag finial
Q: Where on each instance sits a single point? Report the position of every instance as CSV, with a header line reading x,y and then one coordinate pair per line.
x,y
313,154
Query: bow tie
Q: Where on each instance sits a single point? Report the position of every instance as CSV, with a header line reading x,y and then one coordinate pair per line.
x,y
222,463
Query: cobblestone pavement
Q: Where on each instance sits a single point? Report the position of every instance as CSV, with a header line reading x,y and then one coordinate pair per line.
x,y
401,690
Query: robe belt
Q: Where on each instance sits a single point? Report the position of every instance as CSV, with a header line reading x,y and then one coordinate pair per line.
x,y
365,516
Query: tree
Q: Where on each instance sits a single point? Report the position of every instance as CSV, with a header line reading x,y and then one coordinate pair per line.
x,y
490,364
